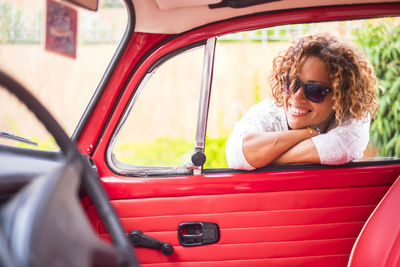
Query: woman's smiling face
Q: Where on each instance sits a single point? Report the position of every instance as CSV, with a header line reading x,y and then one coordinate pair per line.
x,y
300,111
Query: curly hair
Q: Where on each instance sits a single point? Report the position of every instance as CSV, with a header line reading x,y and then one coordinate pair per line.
x,y
352,76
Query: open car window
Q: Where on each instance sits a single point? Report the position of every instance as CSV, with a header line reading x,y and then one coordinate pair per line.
x,y
243,63
168,128
163,135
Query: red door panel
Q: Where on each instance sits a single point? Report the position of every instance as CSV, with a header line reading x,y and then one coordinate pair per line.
x,y
289,226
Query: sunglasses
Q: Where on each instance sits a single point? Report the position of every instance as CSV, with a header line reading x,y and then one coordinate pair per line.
x,y
313,91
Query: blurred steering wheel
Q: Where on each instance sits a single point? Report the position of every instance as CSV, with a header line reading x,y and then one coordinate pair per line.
x,y
44,224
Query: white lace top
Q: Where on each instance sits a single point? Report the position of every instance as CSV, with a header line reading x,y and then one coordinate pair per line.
x,y
340,144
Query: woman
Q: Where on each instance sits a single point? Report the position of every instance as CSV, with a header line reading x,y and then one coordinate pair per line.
x,y
323,94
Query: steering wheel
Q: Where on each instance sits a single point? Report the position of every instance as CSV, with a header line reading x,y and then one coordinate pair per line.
x,y
44,224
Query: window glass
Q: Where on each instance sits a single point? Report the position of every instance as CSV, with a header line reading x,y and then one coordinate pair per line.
x,y
161,127
62,83
243,62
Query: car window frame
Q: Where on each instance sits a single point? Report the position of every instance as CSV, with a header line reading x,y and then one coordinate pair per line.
x,y
136,170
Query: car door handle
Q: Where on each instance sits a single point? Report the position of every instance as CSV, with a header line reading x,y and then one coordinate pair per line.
x,y
198,233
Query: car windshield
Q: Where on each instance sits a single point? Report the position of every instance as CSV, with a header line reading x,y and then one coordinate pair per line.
x,y
60,53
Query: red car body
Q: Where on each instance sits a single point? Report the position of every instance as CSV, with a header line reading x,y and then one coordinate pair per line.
x,y
270,217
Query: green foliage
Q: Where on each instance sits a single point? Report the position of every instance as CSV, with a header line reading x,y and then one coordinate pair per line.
x,y
169,151
381,43
215,151
164,151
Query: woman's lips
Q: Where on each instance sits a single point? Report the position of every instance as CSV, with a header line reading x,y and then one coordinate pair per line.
x,y
298,111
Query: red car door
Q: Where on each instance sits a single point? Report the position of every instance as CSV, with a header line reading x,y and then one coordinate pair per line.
x,y
300,215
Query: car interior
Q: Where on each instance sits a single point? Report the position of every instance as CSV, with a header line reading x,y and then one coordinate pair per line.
x,y
83,205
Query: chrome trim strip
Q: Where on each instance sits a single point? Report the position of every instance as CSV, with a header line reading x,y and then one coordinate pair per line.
x,y
205,93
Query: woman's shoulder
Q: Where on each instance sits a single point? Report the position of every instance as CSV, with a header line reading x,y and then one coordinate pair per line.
x,y
351,122
351,126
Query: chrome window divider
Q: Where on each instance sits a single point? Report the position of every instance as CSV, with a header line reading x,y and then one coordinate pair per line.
x,y
198,157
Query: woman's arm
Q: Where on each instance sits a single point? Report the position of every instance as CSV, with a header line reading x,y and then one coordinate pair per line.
x,y
340,145
343,143
264,117
260,149
303,152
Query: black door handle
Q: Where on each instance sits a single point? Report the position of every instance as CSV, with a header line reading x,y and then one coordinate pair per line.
x,y
198,233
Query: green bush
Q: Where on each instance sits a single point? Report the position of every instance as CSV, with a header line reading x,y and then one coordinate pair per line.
x,y
171,151
215,151
164,151
381,43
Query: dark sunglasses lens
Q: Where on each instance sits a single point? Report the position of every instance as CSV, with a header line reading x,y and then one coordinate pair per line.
x,y
315,92
295,88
